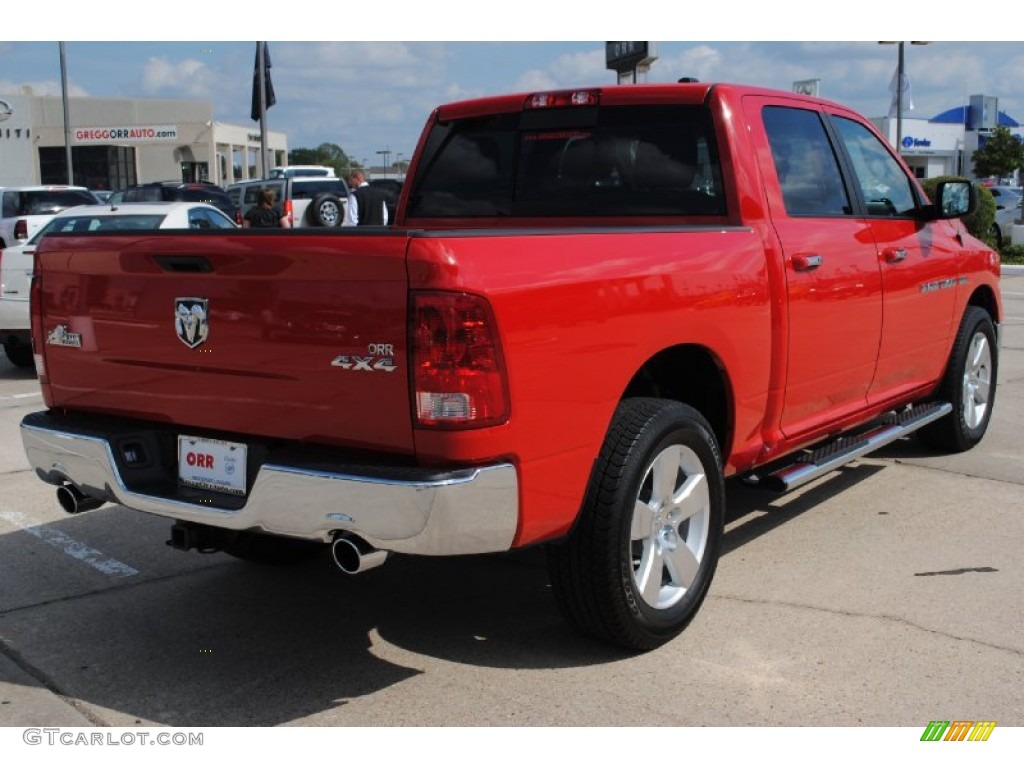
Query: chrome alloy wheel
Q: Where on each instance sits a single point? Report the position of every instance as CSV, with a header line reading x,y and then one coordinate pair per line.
x,y
977,380
669,529
330,214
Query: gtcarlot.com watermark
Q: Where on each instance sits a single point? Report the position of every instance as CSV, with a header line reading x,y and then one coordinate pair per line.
x,y
78,737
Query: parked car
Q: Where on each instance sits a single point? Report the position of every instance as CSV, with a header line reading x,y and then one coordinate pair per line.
x,y
24,210
307,201
392,189
176,191
1008,210
102,194
16,261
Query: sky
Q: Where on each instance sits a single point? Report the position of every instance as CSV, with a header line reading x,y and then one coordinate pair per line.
x,y
370,96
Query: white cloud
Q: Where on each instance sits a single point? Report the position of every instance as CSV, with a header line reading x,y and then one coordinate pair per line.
x,y
183,79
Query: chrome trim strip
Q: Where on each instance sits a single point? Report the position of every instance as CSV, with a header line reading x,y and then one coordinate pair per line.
x,y
470,514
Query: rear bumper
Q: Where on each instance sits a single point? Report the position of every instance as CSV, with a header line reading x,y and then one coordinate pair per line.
x,y
400,509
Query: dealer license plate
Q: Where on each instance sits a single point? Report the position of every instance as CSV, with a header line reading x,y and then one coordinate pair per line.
x,y
216,465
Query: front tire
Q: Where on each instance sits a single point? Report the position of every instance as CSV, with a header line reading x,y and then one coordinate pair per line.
x,y
969,384
639,563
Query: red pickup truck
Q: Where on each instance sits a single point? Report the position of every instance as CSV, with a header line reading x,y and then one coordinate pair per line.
x,y
593,307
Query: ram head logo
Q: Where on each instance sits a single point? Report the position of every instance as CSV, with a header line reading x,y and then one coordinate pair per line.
x,y
191,321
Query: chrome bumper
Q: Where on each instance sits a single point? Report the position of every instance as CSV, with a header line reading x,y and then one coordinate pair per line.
x,y
468,511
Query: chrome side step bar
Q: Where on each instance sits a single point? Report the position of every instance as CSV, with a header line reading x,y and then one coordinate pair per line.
x,y
846,448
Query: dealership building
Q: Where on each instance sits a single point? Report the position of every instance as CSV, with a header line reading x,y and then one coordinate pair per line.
x,y
943,145
119,142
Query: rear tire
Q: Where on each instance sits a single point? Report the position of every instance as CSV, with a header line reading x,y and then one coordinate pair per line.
x,y
19,354
640,561
969,384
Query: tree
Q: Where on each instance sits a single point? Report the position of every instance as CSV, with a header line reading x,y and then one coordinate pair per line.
x,y
1002,154
326,154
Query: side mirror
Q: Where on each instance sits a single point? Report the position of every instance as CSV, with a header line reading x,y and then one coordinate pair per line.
x,y
954,199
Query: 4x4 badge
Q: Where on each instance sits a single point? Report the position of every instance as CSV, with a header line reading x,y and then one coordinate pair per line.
x,y
191,321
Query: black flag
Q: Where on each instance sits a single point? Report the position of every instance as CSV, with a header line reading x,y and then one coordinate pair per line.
x,y
268,87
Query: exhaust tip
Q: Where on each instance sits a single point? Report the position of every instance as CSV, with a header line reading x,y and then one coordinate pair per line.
x,y
352,555
73,501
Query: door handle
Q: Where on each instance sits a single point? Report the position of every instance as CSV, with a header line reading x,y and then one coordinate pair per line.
x,y
804,263
895,255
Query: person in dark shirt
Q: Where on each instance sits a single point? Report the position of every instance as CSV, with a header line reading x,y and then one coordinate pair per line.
x,y
366,205
266,214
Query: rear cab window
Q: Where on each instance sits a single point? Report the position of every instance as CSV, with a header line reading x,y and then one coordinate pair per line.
x,y
307,189
38,202
592,161
100,223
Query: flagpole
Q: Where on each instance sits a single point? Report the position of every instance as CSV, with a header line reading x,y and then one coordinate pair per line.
x,y
67,117
899,101
263,110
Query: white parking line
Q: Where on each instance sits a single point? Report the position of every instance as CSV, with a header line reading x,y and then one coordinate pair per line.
x,y
21,396
69,546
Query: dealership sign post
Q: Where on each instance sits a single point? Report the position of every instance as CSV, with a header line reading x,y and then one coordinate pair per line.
x,y
628,58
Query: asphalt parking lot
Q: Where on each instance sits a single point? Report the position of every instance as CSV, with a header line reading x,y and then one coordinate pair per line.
x,y
889,593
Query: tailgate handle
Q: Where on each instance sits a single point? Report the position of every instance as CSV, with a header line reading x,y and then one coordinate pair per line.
x,y
184,263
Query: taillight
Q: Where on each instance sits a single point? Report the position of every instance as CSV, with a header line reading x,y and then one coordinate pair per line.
x,y
288,213
563,99
458,372
21,230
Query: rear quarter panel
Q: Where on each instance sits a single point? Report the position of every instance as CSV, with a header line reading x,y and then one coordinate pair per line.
x,y
579,313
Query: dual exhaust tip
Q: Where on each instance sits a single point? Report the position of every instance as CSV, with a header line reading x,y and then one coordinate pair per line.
x,y
350,553
73,500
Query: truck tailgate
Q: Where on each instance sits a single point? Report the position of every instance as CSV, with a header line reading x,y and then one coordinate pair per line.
x,y
285,335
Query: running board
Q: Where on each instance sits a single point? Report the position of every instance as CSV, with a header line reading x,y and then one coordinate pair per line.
x,y
844,449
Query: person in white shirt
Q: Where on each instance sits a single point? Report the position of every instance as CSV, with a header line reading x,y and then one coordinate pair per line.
x,y
366,200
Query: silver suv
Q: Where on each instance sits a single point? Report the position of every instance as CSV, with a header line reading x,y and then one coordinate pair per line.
x,y
25,210
307,201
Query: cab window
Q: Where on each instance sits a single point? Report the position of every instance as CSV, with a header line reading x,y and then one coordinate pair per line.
x,y
886,188
806,164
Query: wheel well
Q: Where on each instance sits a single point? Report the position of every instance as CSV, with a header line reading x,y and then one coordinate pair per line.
x,y
691,375
984,298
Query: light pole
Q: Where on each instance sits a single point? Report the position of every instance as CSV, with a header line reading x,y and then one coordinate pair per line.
x,y
386,153
899,88
67,117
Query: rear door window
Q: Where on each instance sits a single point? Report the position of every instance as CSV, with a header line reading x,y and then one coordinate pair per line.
x,y
806,164
204,218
